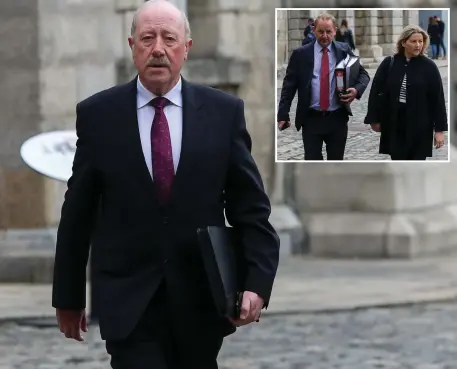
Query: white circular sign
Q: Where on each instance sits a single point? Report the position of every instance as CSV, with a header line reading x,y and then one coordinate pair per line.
x,y
51,153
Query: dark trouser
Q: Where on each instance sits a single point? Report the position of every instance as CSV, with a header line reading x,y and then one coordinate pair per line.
x,y
404,150
443,47
155,344
331,128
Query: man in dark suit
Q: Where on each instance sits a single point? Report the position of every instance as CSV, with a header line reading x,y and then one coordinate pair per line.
x,y
320,111
156,159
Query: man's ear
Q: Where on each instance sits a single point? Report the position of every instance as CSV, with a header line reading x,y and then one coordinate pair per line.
x,y
131,43
188,46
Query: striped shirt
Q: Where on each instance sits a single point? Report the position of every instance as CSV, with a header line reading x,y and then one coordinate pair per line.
x,y
402,97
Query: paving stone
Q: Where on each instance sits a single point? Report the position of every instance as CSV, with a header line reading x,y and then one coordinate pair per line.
x,y
362,142
417,337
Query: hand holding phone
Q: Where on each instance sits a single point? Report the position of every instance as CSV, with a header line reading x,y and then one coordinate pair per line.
x,y
282,125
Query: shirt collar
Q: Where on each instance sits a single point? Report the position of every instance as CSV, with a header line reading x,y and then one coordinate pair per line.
x,y
318,48
144,96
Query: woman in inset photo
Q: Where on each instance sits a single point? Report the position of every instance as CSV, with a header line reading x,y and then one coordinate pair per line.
x,y
406,102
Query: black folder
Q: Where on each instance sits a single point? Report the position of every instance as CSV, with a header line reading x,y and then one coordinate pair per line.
x,y
218,246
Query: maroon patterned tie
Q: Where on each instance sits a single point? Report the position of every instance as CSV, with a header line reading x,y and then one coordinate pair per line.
x,y
162,157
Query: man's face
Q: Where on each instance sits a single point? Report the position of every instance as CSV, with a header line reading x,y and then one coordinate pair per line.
x,y
324,30
159,47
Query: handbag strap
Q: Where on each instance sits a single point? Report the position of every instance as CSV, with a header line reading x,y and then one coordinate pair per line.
x,y
390,64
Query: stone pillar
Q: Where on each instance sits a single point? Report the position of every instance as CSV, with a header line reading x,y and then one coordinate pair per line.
x,y
393,22
22,201
282,51
296,24
410,17
79,45
56,56
236,56
393,210
368,23
347,14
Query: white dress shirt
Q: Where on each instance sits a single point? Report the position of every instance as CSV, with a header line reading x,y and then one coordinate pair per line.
x,y
146,112
316,81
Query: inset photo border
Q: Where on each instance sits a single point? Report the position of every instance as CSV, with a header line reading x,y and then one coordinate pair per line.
x,y
410,94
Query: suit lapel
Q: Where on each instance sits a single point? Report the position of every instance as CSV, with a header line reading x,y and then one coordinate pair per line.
x,y
339,52
311,68
193,129
129,122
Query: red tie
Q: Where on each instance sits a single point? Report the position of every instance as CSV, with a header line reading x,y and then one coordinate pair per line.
x,y
324,78
162,158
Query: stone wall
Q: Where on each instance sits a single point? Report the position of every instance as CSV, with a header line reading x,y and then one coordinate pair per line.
x,y
375,31
281,37
57,54
20,116
79,45
297,20
236,56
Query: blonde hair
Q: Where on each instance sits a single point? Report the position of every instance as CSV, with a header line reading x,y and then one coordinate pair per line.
x,y
326,17
407,32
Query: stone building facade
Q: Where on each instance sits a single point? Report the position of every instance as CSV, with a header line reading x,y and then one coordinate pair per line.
x,y
375,31
61,51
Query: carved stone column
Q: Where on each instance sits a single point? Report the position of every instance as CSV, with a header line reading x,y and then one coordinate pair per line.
x,y
297,21
282,36
394,210
393,22
57,56
368,23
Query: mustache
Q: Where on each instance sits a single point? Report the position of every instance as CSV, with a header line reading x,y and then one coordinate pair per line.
x,y
158,63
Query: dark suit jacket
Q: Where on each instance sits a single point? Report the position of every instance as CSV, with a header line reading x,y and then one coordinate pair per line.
x,y
136,244
299,75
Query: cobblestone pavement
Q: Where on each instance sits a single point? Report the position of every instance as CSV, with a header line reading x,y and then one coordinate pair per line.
x,y
362,143
415,337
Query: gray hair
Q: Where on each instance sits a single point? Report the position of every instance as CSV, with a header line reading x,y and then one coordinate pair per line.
x,y
147,3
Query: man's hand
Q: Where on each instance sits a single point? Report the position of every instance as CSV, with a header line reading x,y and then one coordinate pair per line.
x,y
439,139
72,322
250,309
282,125
349,96
376,127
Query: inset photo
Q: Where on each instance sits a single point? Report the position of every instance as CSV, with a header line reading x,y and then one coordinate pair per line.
x,y
362,85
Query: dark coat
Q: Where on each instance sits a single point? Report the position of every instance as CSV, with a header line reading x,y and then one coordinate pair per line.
x,y
299,75
425,103
136,244
434,31
346,37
